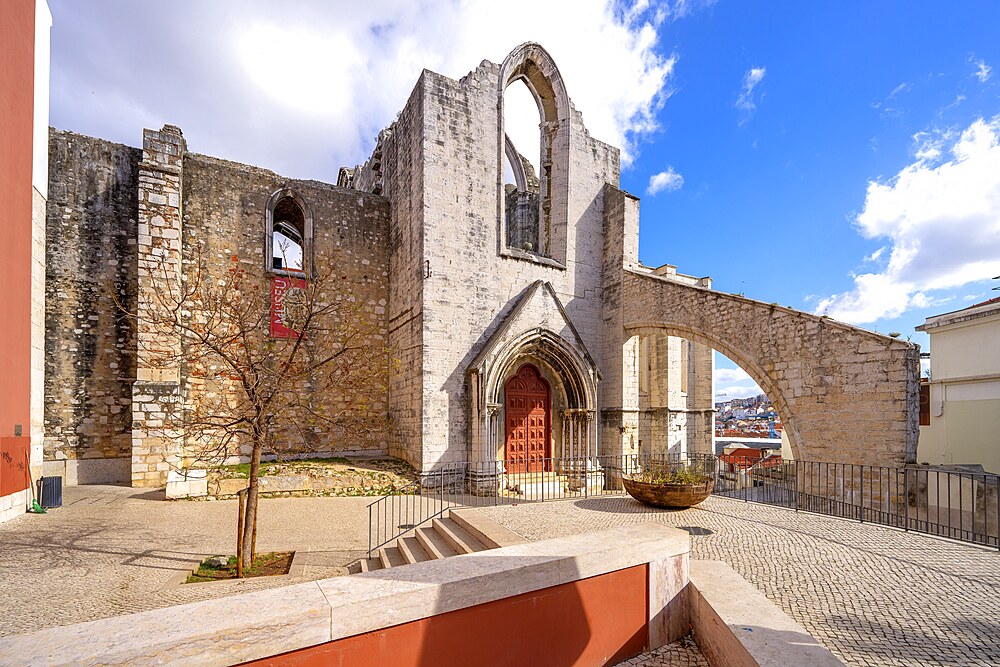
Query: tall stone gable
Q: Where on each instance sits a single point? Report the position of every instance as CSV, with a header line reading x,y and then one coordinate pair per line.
x,y
455,279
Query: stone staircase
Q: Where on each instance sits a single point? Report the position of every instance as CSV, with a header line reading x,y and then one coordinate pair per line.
x,y
459,532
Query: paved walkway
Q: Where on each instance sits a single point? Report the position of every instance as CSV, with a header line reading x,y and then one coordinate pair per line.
x,y
114,550
875,596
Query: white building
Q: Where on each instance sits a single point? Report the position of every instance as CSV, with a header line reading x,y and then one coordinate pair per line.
x,y
960,423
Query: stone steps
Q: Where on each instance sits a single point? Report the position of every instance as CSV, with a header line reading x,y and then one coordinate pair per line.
x,y
460,532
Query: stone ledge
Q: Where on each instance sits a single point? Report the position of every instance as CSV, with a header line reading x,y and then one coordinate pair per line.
x,y
736,625
255,625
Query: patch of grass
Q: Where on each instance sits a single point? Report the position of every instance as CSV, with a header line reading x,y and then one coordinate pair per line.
x,y
237,470
275,467
265,565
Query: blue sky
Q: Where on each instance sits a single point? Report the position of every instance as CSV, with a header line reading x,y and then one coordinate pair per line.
x,y
839,158
774,180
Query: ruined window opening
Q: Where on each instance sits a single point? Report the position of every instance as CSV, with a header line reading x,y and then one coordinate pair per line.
x,y
645,364
533,158
289,234
524,212
685,366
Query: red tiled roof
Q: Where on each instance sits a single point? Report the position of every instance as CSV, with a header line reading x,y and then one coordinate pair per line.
x,y
984,303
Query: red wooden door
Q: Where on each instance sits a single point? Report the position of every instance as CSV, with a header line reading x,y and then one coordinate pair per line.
x,y
526,445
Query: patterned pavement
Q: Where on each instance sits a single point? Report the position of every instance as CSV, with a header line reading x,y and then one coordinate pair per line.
x,y
874,596
114,550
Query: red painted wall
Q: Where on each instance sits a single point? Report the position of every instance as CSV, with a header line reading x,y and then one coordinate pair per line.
x,y
14,474
596,621
17,65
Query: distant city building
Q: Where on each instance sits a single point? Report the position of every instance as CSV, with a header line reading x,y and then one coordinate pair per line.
x,y
960,403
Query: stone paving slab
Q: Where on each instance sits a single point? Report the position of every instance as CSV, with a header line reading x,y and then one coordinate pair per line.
x,y
874,596
116,550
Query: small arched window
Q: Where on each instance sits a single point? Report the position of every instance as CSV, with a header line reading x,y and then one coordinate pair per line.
x,y
289,234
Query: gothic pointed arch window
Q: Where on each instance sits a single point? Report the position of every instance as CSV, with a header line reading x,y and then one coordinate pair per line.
x,y
289,231
533,142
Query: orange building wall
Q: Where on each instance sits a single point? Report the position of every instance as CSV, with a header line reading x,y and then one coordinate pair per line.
x,y
17,35
596,621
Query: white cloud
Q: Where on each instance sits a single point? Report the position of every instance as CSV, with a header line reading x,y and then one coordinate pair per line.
x,y
874,257
734,383
886,107
745,102
668,180
306,91
982,70
943,220
731,375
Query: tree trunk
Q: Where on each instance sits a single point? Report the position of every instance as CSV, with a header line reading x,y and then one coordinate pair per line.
x,y
250,518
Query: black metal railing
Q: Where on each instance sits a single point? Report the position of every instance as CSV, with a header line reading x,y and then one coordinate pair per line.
x,y
950,503
477,484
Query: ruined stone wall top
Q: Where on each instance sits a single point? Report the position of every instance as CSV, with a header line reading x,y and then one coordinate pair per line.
x,y
90,262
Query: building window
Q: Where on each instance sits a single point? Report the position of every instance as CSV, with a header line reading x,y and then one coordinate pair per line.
x,y
523,209
533,157
685,365
289,234
645,364
925,404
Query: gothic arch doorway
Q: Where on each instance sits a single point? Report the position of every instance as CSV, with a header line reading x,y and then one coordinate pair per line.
x,y
528,411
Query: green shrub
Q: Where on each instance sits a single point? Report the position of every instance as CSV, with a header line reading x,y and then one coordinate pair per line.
x,y
671,476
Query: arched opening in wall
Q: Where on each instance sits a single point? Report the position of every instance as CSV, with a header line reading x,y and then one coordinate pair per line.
x,y
288,237
748,431
524,209
288,234
695,401
508,384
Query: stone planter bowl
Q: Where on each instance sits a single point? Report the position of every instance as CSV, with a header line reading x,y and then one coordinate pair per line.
x,y
668,495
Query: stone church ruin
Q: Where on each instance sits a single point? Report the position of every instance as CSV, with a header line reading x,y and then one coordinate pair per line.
x,y
524,325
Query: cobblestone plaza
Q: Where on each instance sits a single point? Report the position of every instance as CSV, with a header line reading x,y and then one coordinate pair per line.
x,y
873,595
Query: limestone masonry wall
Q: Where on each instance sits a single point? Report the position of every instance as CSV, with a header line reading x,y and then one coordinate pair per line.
x,y
123,223
89,347
474,283
402,162
224,217
844,394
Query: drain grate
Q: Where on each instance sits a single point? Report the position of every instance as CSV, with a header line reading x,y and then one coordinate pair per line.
x,y
697,530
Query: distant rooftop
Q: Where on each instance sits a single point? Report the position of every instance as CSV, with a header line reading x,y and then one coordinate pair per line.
x,y
986,308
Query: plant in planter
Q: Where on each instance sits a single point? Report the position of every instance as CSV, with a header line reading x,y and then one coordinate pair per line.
x,y
678,486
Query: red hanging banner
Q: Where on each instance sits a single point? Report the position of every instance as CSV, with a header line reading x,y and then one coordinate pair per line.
x,y
287,306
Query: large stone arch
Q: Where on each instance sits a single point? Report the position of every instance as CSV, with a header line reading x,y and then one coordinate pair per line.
x,y
845,394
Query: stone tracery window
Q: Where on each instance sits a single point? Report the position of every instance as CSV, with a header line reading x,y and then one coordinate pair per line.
x,y
534,157
522,187
289,234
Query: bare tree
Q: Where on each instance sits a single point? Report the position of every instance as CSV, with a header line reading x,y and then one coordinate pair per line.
x,y
269,364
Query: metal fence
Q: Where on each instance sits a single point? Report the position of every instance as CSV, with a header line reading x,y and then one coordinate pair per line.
x,y
478,484
950,503
955,504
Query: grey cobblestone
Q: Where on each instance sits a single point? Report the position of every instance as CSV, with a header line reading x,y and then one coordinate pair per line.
x,y
873,595
682,653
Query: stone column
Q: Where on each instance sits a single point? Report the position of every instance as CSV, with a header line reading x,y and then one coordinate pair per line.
x,y
156,436
619,398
